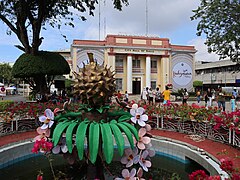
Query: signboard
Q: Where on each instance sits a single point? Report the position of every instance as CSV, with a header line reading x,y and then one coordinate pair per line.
x,y
2,91
182,74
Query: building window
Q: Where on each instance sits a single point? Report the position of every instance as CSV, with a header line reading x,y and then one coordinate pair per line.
x,y
136,63
119,84
153,84
153,66
119,64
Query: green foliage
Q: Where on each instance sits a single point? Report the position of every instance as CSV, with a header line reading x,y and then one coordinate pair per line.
x,y
68,83
45,63
5,104
6,72
219,20
197,83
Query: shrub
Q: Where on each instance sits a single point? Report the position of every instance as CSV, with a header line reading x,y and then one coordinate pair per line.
x,y
5,104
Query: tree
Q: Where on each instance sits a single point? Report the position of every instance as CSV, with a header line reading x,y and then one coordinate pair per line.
x,y
39,70
5,72
197,83
219,20
26,19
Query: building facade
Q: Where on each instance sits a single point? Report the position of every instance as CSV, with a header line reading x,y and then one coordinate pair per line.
x,y
224,73
139,61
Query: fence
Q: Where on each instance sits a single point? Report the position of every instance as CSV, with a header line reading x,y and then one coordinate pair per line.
x,y
204,129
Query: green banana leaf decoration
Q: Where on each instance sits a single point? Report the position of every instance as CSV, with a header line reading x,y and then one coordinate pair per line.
x,y
100,134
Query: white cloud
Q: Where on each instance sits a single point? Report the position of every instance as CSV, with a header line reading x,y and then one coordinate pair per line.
x,y
202,53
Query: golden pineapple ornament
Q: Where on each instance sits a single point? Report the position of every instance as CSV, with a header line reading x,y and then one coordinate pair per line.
x,y
95,83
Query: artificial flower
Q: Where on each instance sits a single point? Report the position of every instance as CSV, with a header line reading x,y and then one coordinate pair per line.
x,y
60,147
43,134
142,139
128,175
129,157
140,174
138,116
143,161
47,119
42,146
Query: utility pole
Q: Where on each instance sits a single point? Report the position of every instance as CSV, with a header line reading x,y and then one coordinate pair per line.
x,y
146,17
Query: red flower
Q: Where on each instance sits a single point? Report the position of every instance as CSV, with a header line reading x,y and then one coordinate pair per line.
x,y
226,165
42,146
198,175
214,178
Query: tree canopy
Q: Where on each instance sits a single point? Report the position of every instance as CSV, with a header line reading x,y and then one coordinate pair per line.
x,y
26,18
219,20
39,70
44,63
5,73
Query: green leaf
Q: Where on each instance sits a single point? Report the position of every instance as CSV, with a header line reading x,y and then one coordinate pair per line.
x,y
58,131
80,138
93,141
107,142
124,118
132,129
118,137
69,136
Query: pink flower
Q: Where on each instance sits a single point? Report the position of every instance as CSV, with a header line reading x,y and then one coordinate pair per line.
x,y
143,161
60,147
138,116
129,157
140,174
143,140
43,134
47,119
128,175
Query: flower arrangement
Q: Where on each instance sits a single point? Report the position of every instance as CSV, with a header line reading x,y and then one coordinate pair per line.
x,y
142,152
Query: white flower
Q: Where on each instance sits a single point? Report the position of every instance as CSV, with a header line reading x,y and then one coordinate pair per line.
x,y
138,116
47,119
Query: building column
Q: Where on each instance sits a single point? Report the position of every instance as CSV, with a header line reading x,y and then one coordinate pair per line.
x,y
129,74
148,71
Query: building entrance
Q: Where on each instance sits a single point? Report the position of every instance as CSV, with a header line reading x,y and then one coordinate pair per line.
x,y
136,87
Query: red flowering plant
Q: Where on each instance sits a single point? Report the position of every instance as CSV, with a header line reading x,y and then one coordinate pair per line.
x,y
198,175
230,120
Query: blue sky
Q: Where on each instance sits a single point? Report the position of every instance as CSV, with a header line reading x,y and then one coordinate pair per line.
x,y
166,18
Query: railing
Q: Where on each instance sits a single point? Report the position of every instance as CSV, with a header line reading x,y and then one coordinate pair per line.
x,y
18,125
153,70
137,70
119,69
204,129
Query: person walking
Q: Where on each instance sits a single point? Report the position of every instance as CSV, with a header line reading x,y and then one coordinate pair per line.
x,y
234,99
185,96
157,95
233,103
126,97
144,95
209,95
221,99
166,95
198,94
150,96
